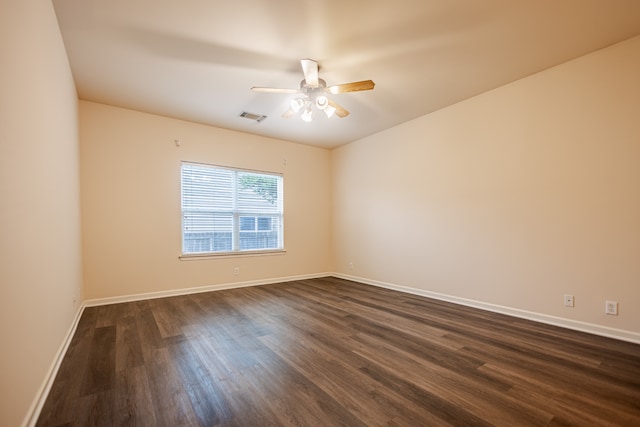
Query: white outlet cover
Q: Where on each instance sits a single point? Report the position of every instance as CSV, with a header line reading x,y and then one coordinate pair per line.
x,y
568,301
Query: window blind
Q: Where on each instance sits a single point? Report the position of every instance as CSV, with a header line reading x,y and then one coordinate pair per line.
x,y
230,210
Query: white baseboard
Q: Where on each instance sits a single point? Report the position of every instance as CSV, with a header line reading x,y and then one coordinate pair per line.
x,y
43,392
199,289
576,325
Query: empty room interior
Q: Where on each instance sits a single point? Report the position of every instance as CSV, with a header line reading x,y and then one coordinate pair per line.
x,y
320,213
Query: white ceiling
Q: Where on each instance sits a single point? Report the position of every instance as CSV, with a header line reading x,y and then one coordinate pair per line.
x,y
196,60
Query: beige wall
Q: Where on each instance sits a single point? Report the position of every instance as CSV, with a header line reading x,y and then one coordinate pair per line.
x,y
514,197
130,168
39,192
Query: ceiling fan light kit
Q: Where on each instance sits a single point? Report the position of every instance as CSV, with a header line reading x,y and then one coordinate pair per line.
x,y
322,102
307,114
313,92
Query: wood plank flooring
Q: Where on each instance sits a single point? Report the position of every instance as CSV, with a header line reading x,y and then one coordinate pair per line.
x,y
330,352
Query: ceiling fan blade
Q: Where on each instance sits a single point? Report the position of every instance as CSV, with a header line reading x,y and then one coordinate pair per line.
x,y
351,87
288,113
310,71
273,90
340,111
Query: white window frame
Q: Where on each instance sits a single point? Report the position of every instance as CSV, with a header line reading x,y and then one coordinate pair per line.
x,y
275,214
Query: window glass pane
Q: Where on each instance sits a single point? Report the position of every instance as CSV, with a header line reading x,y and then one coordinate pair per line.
x,y
258,240
264,223
247,223
207,232
207,188
257,192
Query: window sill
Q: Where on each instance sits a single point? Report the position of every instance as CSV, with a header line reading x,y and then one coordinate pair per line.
x,y
210,255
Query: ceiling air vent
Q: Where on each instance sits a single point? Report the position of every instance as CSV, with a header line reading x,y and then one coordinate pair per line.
x,y
257,117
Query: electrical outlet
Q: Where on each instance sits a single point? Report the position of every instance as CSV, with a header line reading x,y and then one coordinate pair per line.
x,y
611,308
350,265
236,271
568,301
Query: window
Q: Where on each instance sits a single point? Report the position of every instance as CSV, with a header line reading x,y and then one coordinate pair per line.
x,y
228,210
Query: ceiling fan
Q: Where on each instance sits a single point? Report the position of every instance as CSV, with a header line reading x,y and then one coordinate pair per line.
x,y
313,91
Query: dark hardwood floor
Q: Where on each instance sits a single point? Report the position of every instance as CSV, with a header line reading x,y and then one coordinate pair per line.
x,y
330,352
